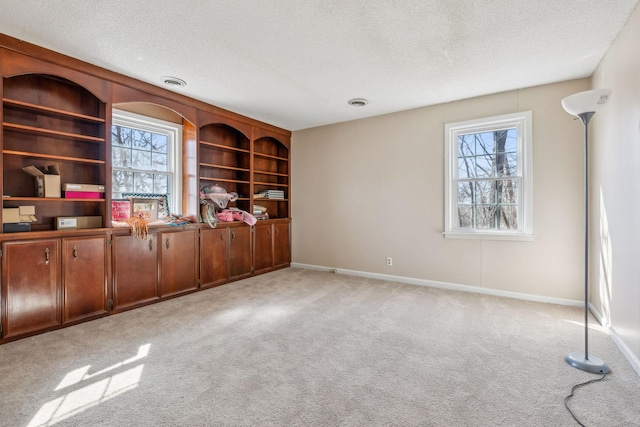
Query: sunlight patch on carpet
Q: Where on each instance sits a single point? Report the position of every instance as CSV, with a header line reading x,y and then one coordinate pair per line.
x,y
592,326
89,390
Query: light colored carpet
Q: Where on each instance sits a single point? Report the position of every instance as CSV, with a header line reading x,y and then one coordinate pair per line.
x,y
301,347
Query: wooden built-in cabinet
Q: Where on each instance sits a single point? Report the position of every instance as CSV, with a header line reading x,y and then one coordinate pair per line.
x,y
214,256
30,286
164,264
178,262
84,278
135,271
239,252
225,254
271,247
58,111
281,244
263,247
46,283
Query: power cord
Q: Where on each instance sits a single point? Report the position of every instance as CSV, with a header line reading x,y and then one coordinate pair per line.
x,y
566,399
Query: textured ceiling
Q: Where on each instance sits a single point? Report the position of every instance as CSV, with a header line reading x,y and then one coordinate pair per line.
x,y
295,63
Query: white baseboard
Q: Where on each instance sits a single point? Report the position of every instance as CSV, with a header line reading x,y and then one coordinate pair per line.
x,y
442,285
624,349
619,342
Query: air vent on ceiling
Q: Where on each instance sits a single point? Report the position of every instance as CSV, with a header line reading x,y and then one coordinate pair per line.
x,y
357,102
173,82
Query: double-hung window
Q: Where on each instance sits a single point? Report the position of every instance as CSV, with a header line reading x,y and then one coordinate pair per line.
x,y
488,180
145,157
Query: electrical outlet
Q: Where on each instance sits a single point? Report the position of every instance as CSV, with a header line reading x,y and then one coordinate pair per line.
x,y
389,261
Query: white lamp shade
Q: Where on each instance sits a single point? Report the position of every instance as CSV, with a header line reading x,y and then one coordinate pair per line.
x,y
588,101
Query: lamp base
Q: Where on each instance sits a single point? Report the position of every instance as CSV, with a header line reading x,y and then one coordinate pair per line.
x,y
593,364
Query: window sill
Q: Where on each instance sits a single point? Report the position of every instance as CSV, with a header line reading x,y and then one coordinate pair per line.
x,y
522,237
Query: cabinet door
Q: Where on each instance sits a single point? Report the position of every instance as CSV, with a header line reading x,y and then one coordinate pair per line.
x,y
84,277
214,258
30,286
239,252
135,271
179,264
263,248
281,246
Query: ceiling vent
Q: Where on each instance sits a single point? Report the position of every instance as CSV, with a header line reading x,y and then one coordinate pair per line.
x,y
173,82
357,102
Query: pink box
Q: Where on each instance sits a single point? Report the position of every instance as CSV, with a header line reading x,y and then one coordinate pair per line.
x,y
83,195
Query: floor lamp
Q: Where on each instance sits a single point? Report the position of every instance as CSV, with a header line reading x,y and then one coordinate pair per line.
x,y
584,105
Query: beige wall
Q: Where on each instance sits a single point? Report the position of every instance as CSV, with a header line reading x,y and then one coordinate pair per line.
x,y
615,173
372,188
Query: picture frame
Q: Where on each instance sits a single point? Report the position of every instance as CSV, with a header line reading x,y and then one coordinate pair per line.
x,y
161,204
144,208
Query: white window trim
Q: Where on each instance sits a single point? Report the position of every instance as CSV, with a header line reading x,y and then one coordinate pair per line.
x,y
174,135
523,122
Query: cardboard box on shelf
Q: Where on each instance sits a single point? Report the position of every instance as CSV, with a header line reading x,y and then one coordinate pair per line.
x,y
10,215
93,188
83,195
70,222
47,180
19,214
16,227
83,191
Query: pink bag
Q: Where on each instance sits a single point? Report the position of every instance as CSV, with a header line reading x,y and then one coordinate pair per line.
x,y
230,215
225,216
237,215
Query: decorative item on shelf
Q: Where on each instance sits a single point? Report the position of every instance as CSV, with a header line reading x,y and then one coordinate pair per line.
x,y
139,227
175,220
120,209
218,195
214,198
146,209
160,201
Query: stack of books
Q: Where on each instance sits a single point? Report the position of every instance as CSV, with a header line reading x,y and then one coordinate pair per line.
x,y
269,194
260,212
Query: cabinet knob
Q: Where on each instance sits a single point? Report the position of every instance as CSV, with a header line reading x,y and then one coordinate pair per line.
x,y
75,252
221,236
277,230
150,244
46,256
233,235
166,242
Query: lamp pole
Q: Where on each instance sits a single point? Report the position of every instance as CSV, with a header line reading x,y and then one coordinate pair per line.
x,y
584,105
585,118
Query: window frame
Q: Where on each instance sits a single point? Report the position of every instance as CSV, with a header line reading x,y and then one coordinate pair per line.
x,y
522,121
173,131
